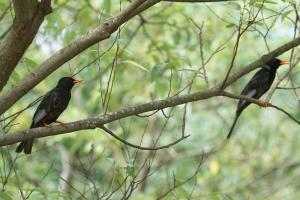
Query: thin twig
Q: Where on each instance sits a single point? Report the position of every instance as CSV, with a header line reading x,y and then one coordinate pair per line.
x,y
256,101
140,147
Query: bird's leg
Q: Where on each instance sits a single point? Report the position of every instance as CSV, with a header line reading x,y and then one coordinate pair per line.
x,y
61,123
264,103
47,125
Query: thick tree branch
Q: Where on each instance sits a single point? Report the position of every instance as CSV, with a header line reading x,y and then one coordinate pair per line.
x,y
98,122
258,63
29,16
24,10
62,56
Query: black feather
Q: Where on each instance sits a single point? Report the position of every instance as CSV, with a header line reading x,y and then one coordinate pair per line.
x,y
259,84
51,107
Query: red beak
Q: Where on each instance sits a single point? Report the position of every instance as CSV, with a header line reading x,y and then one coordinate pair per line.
x,y
283,62
77,81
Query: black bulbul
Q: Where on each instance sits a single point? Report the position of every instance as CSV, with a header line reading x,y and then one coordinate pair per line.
x,y
51,107
259,84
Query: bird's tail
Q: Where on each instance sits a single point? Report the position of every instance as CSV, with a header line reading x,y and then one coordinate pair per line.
x,y
25,145
233,125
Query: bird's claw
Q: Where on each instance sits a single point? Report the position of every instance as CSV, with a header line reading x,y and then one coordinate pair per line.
x,y
62,124
264,103
47,125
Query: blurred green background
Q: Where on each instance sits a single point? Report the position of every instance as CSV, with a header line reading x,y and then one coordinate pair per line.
x,y
159,54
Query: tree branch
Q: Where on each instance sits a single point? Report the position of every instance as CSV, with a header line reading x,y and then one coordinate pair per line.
x,y
65,54
234,96
98,122
97,34
95,122
24,10
29,16
141,147
103,32
260,62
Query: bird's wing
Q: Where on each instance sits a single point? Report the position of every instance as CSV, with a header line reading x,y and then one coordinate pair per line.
x,y
44,107
253,88
38,116
260,79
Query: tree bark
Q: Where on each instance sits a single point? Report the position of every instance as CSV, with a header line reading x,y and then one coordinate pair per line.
x,y
29,15
95,35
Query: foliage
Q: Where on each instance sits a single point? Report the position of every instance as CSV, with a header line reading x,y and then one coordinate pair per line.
x,y
158,56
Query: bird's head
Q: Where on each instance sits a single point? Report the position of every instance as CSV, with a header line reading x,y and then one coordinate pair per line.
x,y
67,82
275,63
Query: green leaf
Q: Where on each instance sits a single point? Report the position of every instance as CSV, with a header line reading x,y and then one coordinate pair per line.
x,y
5,196
29,62
259,23
230,25
130,170
234,5
262,1
285,14
70,35
259,3
135,64
182,192
270,1
157,71
107,5
15,76
112,160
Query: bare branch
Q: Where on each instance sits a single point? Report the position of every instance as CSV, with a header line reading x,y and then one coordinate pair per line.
x,y
141,147
176,185
237,43
288,88
259,62
5,11
95,35
95,122
234,96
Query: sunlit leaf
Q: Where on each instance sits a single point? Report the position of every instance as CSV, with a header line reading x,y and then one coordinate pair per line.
x,y
285,14
135,64
107,5
29,62
157,71
5,196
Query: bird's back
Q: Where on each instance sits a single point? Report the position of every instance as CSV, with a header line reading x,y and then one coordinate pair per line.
x,y
257,86
54,103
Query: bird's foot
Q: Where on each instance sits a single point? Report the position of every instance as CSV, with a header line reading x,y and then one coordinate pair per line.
x,y
62,123
47,125
264,103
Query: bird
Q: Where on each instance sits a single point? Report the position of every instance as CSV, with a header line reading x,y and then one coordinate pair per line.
x,y
50,108
259,84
